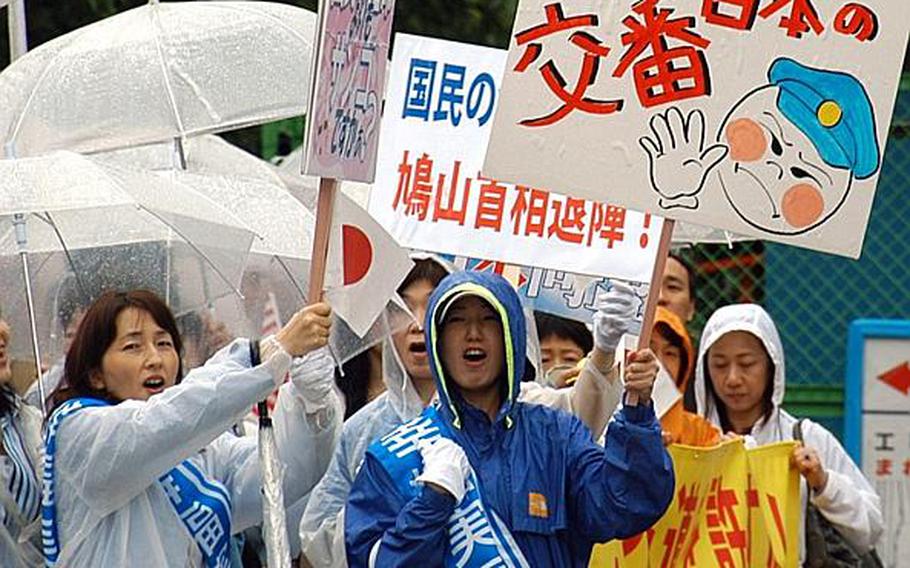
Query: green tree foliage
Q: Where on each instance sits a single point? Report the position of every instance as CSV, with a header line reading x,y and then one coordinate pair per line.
x,y
484,22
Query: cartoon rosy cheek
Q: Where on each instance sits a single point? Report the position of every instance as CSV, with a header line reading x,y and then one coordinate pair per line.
x,y
746,140
802,205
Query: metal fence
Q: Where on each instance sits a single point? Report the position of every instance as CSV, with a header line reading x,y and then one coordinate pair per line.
x,y
812,296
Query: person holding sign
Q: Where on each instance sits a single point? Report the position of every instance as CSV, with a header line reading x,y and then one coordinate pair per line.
x,y
481,477
406,370
739,386
671,343
140,469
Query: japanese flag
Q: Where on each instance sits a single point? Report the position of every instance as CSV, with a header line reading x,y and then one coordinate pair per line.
x,y
365,266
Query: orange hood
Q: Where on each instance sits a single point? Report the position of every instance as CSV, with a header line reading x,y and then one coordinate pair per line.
x,y
676,326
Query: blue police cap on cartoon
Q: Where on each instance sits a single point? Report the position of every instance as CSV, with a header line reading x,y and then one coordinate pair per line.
x,y
785,156
833,110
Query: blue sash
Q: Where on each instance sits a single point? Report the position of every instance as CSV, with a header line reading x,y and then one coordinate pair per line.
x,y
203,505
477,536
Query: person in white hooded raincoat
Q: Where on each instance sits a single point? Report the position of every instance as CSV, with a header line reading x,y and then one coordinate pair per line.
x,y
410,388
141,471
739,386
20,488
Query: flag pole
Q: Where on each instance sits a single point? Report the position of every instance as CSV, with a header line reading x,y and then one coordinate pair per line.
x,y
647,324
325,205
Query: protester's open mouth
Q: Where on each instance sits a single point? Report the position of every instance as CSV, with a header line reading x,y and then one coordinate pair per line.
x,y
154,384
475,355
419,348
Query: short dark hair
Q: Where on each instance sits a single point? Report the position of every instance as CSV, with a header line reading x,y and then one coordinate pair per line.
x,y
424,269
690,272
549,325
97,332
669,334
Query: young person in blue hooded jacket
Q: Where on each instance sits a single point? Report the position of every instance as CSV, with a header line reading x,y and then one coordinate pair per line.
x,y
141,469
406,372
480,479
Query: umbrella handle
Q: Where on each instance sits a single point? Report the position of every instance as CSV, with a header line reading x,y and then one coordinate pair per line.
x,y
265,421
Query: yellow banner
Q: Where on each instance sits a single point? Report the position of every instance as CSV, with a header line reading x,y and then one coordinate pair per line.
x,y
734,508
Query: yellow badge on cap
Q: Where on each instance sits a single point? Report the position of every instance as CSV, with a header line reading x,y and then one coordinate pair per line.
x,y
829,114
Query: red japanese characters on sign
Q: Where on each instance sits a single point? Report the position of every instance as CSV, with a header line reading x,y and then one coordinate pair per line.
x,y
667,74
442,194
593,50
666,54
797,17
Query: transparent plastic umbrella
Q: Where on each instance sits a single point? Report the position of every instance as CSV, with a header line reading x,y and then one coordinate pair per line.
x,y
274,203
109,227
208,154
157,73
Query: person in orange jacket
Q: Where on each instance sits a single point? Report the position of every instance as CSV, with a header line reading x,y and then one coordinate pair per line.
x,y
671,343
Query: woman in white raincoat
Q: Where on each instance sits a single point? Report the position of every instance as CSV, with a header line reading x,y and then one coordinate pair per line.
x,y
410,388
739,386
140,471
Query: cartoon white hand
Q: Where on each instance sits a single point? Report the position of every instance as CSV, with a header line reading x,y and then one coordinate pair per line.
x,y
679,162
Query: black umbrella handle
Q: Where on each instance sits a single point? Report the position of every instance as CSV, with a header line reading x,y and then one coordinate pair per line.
x,y
265,421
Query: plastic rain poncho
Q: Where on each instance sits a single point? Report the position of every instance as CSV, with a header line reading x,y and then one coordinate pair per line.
x,y
111,511
20,538
848,500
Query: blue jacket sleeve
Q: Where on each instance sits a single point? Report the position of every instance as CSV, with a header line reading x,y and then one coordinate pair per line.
x,y
409,533
623,488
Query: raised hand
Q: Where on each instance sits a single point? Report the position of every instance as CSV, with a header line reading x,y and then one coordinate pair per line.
x,y
678,161
308,330
615,314
445,467
641,372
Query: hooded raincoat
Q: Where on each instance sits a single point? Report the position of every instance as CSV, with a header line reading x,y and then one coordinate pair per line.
x,y
20,534
848,501
322,525
111,511
538,468
684,427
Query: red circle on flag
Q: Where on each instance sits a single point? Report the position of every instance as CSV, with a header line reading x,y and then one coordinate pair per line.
x,y
358,254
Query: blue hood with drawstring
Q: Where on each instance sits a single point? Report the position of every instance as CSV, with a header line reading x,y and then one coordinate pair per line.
x,y
499,295
539,469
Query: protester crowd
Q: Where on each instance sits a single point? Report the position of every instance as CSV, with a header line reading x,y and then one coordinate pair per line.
x,y
447,444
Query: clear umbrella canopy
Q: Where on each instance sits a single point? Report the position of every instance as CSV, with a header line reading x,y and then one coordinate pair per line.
x,y
87,226
159,72
208,154
273,203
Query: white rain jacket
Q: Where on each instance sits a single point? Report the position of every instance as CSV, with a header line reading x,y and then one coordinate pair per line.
x,y
111,510
848,500
21,545
322,525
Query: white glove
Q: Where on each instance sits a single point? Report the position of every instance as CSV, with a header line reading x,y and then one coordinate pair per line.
x,y
615,314
445,465
313,376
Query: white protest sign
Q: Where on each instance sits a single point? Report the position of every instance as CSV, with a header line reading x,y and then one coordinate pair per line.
x,y
556,292
346,102
429,193
763,117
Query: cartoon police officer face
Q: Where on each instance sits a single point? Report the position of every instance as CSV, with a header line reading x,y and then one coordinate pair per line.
x,y
795,147
774,178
